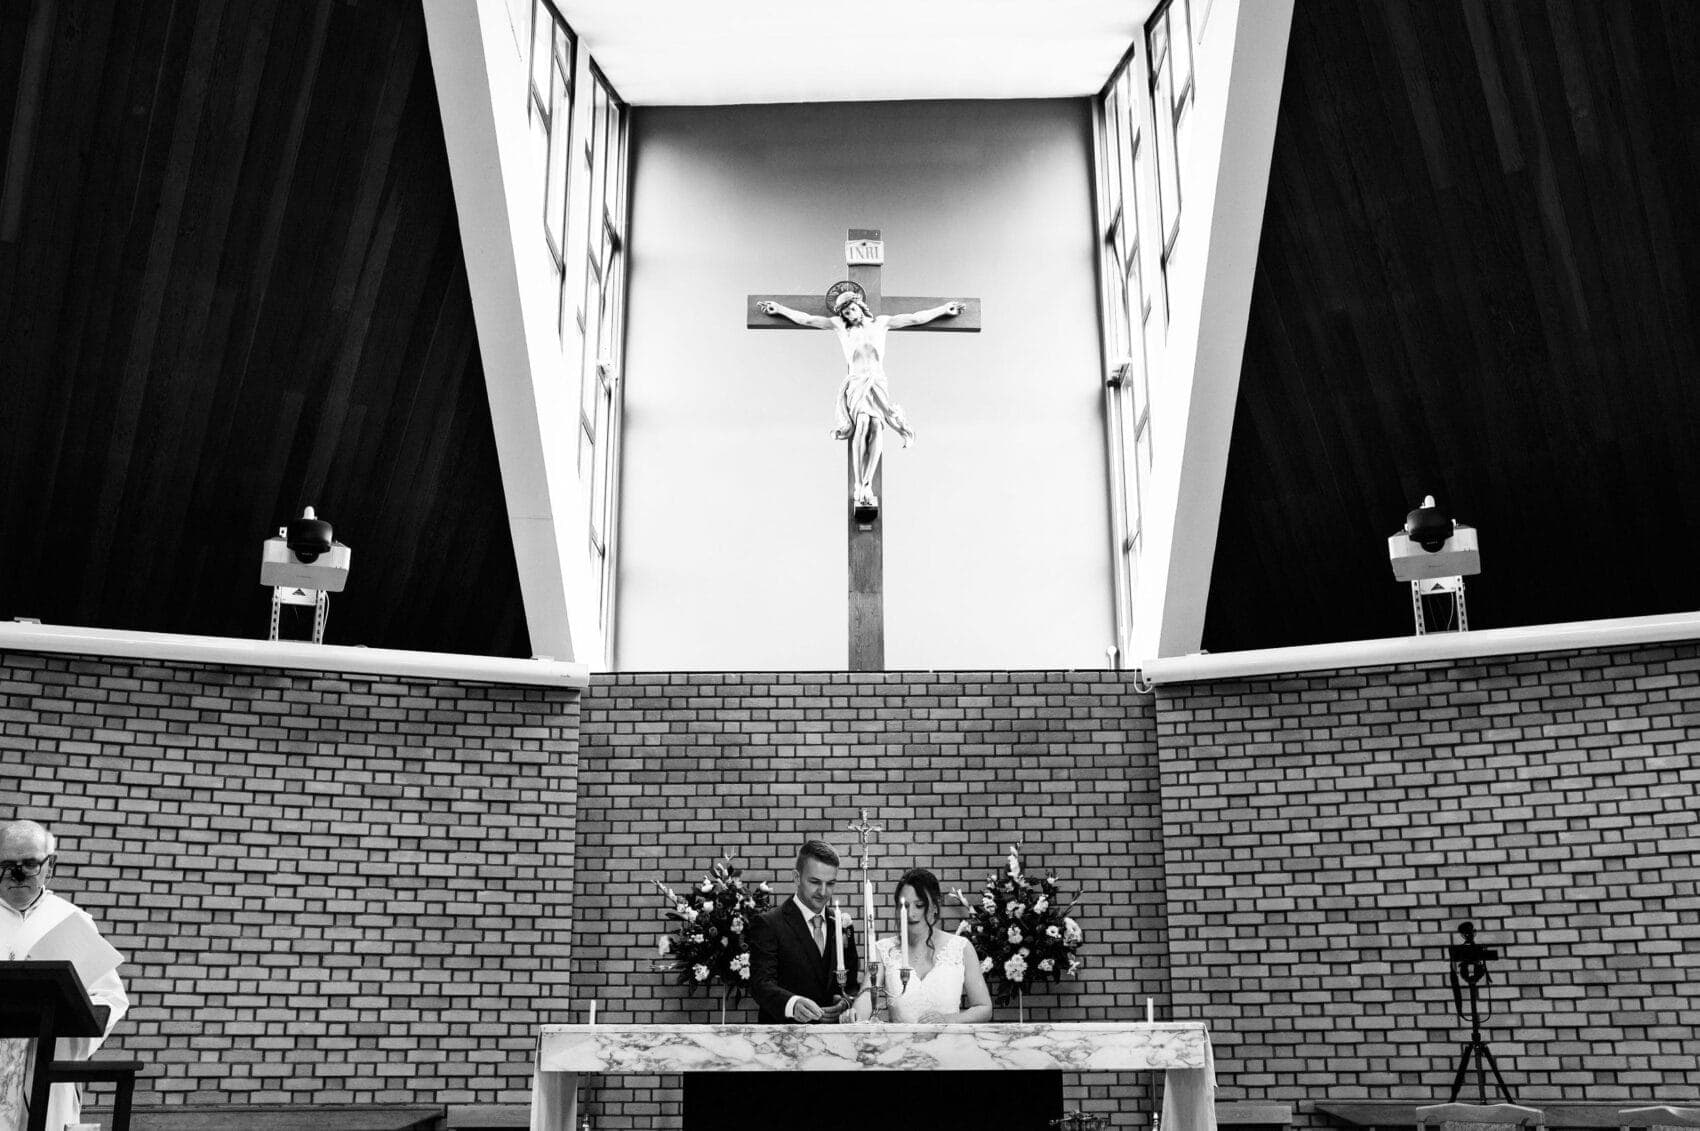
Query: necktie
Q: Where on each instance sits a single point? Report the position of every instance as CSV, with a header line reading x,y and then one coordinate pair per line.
x,y
820,933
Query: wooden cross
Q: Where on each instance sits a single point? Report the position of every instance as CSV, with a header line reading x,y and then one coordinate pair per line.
x,y
864,254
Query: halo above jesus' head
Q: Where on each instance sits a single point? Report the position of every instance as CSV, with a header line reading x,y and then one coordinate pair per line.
x,y
848,301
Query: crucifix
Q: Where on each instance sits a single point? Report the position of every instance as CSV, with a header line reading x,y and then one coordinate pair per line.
x,y
856,311
872,976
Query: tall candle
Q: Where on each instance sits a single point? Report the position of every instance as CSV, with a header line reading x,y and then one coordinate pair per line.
x,y
838,935
593,1011
1150,1012
903,929
868,906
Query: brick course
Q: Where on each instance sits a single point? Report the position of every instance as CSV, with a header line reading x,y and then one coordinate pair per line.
x,y
1284,858
1324,834
957,766
329,889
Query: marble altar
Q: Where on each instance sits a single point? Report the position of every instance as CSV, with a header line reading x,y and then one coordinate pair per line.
x,y
1180,1049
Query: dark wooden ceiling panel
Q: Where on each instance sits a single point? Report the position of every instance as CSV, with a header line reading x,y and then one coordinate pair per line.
x,y
231,285
1477,279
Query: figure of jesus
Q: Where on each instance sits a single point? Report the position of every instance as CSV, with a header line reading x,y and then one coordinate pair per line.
x,y
864,408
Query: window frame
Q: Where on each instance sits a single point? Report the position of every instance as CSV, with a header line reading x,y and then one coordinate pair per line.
x,y
553,107
1121,150
600,314
1175,94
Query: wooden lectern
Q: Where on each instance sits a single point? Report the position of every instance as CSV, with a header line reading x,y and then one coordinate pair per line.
x,y
46,1001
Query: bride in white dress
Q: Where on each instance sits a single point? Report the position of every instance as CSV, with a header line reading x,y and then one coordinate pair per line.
x,y
944,967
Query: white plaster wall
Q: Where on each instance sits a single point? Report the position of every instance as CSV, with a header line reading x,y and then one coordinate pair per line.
x,y
733,518
1239,60
479,58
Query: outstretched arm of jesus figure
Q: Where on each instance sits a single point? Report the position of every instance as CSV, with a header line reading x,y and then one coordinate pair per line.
x,y
946,310
814,321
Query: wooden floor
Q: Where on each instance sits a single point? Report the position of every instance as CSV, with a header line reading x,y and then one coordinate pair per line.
x,y
1559,1113
294,1117
480,1117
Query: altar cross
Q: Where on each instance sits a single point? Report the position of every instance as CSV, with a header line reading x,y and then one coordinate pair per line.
x,y
866,831
864,254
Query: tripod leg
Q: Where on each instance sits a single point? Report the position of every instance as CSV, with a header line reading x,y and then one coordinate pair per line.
x,y
1481,1070
1500,1080
1458,1079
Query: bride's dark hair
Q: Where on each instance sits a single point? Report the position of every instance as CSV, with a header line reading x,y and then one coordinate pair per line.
x,y
925,885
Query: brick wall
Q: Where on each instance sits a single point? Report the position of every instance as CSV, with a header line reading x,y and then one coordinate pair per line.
x,y
292,861
330,889
676,768
1323,835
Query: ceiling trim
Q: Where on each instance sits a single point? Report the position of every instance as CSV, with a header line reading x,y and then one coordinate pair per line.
x,y
686,53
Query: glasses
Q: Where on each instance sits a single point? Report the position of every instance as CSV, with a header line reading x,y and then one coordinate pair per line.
x,y
21,870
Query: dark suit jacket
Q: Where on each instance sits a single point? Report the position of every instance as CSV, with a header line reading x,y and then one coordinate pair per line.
x,y
784,962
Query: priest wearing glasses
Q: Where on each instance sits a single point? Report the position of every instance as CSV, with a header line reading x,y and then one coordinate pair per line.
x,y
28,913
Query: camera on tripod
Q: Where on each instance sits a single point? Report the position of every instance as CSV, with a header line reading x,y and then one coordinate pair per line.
x,y
1470,958
1467,970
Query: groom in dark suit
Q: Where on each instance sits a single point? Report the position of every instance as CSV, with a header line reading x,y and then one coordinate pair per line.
x,y
793,947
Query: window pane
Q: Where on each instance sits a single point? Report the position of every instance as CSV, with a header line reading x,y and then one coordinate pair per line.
x,y
555,189
1181,38
599,472
598,111
605,598
564,43
587,385
1138,391
1121,331
539,138
610,158
1125,238
1134,302
542,25
572,335
1157,41
1168,177
608,332
1135,195
1142,460
1163,102
1129,441
1112,153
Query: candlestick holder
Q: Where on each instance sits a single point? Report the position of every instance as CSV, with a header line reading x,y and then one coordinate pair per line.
x,y
904,973
873,983
1078,1121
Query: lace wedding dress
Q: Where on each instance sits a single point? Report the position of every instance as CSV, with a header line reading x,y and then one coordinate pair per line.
x,y
940,991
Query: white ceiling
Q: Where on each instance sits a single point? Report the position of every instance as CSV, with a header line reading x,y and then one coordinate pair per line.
x,y
711,52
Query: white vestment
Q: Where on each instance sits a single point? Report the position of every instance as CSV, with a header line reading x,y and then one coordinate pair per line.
x,y
19,931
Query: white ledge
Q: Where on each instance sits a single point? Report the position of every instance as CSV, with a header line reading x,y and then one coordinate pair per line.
x,y
1202,667
296,655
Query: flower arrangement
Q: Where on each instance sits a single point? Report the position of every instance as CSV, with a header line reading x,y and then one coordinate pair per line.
x,y
708,944
1021,931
